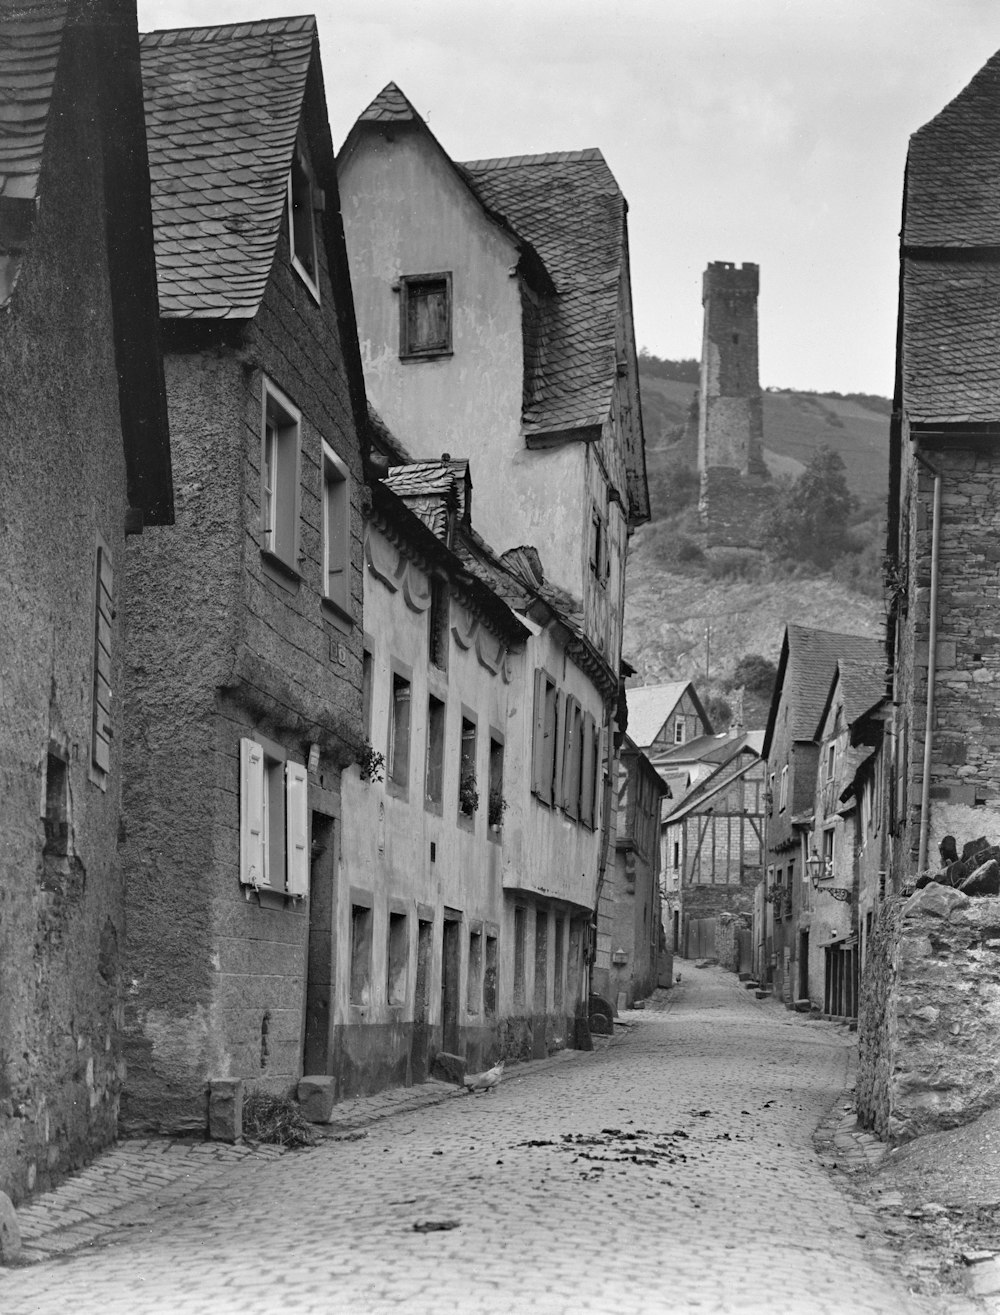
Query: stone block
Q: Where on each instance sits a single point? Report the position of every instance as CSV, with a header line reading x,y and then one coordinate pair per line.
x,y
984,881
937,900
802,1006
449,1068
316,1095
225,1109
10,1232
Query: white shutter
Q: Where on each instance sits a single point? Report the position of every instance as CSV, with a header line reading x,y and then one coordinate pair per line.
x,y
297,828
253,840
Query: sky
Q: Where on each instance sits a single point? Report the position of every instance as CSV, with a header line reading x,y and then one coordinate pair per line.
x,y
771,131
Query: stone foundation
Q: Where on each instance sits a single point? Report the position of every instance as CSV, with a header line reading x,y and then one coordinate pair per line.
x,y
929,1028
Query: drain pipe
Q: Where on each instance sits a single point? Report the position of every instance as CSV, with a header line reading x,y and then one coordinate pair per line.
x,y
925,790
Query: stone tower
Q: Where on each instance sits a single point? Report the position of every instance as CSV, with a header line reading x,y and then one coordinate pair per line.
x,y
730,411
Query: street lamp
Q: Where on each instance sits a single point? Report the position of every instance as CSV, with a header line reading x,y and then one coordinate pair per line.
x,y
820,867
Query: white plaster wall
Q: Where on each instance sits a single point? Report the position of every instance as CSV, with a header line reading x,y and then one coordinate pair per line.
x,y
407,212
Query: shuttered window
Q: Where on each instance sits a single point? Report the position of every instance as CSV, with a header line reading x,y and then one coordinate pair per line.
x,y
104,612
425,315
274,822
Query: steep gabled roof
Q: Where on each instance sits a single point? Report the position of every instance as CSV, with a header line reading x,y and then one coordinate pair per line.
x,y
30,41
570,208
223,106
806,668
48,50
439,492
566,213
949,359
862,688
650,706
705,790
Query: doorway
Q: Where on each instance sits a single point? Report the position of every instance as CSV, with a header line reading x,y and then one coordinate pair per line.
x,y
451,967
319,970
420,1036
803,965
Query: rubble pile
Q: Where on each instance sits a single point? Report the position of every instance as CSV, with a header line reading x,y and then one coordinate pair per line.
x,y
977,872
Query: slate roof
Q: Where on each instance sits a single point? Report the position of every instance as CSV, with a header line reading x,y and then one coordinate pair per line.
x,y
30,40
950,357
953,170
222,111
862,685
436,491
649,706
813,660
570,208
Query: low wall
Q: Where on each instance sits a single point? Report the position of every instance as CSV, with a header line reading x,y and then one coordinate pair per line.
x,y
929,1030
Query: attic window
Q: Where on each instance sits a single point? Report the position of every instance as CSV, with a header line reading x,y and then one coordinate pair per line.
x,y
304,199
425,315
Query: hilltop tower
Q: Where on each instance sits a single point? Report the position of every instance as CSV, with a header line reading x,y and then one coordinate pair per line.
x,y
730,411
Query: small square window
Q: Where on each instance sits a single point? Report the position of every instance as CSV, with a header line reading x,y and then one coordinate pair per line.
x,y
425,315
279,471
680,730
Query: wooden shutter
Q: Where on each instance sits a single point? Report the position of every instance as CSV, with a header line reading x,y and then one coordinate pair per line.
x,y
538,735
253,841
571,759
559,753
587,772
296,829
103,630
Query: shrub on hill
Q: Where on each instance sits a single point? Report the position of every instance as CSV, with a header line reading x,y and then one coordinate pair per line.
x,y
811,518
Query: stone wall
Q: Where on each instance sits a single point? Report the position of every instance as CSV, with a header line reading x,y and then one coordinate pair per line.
x,y
930,1031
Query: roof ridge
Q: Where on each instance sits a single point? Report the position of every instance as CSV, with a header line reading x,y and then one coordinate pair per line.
x,y
585,155
213,31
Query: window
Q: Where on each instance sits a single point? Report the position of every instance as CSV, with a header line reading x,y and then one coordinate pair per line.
x,y
56,814
336,530
520,933
468,795
473,980
399,730
572,758
680,730
434,779
437,638
304,199
425,315
279,475
831,760
361,954
541,961
104,612
490,977
828,843
497,803
677,854
558,987
590,770
366,691
544,739
397,954
600,567
783,798
274,821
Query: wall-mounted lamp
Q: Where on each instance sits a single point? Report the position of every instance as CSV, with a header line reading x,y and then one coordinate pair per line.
x,y
821,867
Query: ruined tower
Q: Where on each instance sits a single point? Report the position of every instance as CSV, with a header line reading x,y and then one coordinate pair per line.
x,y
730,413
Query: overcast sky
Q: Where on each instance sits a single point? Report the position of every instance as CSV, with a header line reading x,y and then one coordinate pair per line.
x,y
772,131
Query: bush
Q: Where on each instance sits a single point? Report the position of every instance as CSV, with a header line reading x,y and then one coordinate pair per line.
x,y
755,673
681,482
718,712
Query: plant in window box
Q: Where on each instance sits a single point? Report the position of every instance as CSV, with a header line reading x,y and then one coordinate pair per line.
x,y
497,807
371,762
468,795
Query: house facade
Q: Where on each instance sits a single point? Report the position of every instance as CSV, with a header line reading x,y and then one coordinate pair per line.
x,y
86,461
712,845
246,661
494,314
641,958
846,848
805,672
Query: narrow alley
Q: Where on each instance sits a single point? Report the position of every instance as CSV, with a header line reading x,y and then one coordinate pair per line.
x,y
673,1170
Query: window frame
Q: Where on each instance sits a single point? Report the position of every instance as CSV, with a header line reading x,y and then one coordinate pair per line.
x,y
783,789
336,539
435,740
467,817
408,283
285,484
314,203
398,671
269,777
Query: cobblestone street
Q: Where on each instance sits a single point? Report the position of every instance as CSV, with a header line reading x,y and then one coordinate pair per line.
x,y
673,1169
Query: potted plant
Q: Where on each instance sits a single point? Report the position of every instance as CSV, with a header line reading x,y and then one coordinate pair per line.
x,y
468,795
497,807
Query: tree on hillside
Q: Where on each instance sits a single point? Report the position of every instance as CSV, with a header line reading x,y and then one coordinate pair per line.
x,y
811,519
755,673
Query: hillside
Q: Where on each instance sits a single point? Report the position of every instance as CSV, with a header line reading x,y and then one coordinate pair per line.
x,y
675,593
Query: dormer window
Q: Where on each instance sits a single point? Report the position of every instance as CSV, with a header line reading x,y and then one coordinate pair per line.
x,y
425,315
304,200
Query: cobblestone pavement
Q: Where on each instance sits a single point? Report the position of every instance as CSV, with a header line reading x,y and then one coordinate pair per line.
x,y
672,1169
